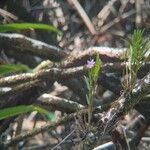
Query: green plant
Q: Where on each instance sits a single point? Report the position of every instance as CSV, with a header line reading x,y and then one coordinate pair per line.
x,y
136,56
11,68
13,111
91,82
24,26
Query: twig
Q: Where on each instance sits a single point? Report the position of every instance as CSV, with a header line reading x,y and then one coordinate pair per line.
x,y
84,16
138,19
116,20
104,13
123,6
64,139
8,14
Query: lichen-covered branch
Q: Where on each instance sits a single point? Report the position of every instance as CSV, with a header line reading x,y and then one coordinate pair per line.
x,y
23,44
105,53
57,103
126,102
50,74
16,90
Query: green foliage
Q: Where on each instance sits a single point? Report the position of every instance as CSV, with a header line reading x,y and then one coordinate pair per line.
x,y
91,83
13,111
24,26
138,48
136,55
87,82
11,68
94,72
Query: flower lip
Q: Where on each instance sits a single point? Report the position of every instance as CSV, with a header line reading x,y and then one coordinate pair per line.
x,y
90,63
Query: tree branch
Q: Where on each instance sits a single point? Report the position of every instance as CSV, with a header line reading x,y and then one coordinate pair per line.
x,y
23,44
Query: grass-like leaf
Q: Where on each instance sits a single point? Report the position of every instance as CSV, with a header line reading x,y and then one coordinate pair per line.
x,y
87,82
11,68
138,48
13,111
136,55
96,69
24,26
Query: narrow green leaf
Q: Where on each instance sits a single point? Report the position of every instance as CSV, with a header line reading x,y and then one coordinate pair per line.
x,y
50,115
11,68
87,82
96,69
23,26
88,100
13,111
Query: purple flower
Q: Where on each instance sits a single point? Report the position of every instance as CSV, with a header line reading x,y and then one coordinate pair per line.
x,y
90,63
